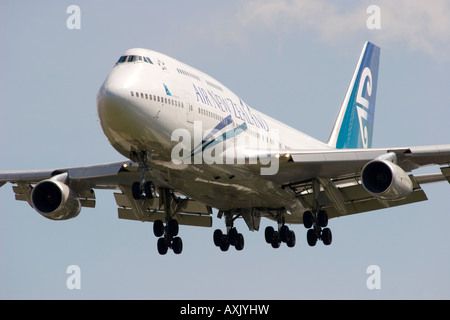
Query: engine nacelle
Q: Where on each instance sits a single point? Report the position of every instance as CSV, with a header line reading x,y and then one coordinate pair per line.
x,y
386,180
54,200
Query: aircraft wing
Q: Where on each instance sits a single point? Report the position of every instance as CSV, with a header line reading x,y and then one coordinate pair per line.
x,y
337,172
118,176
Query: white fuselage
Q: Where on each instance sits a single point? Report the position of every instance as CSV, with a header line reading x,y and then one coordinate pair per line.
x,y
154,103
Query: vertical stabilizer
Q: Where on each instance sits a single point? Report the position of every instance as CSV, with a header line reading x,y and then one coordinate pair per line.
x,y
354,125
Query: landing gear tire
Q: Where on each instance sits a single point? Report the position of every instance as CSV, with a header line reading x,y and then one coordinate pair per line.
x,y
158,228
311,237
239,245
217,237
284,233
291,241
224,246
326,236
308,219
276,243
177,245
233,236
162,246
172,227
322,218
268,234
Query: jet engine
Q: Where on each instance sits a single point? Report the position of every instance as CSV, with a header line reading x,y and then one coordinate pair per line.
x,y
54,200
386,180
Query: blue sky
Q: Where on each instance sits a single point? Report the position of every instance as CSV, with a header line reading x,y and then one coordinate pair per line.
x,y
291,60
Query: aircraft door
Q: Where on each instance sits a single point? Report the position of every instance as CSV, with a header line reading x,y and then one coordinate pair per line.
x,y
189,108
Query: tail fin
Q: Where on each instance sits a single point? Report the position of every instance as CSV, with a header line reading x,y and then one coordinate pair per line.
x,y
354,125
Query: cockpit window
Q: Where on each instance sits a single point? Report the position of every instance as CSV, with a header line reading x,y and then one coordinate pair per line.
x,y
147,59
122,59
134,58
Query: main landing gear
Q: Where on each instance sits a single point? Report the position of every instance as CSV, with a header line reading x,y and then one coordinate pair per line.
x,y
232,237
314,222
284,234
168,236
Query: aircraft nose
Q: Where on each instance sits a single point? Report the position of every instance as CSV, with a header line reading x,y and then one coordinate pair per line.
x,y
111,100
119,117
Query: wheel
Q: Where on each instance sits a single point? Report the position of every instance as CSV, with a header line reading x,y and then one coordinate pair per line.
x,y
177,245
158,228
239,242
217,237
136,191
162,246
326,236
291,241
268,234
284,233
307,219
311,237
224,246
149,189
172,227
322,218
233,236
275,242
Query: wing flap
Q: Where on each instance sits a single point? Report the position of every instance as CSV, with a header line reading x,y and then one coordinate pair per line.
x,y
183,219
188,212
356,199
370,204
446,172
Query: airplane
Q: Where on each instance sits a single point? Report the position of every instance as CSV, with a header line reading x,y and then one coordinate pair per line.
x,y
192,145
